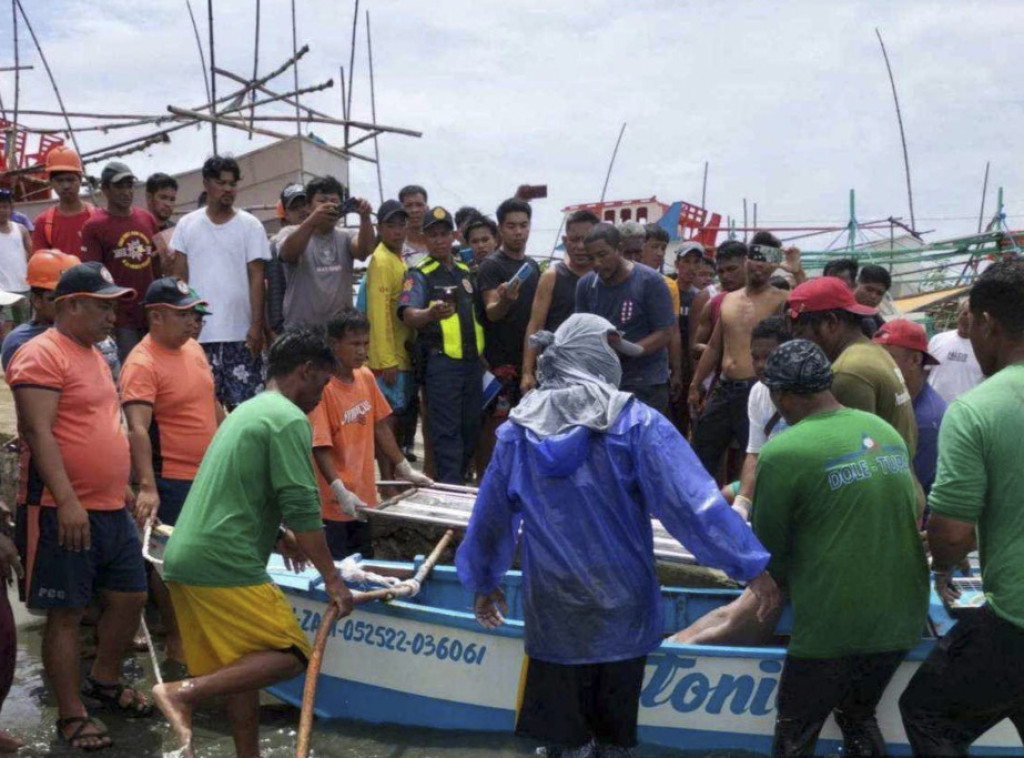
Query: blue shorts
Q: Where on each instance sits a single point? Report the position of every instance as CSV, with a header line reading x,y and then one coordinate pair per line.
x,y
399,393
237,374
172,494
59,578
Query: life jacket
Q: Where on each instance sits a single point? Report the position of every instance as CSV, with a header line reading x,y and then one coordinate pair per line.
x,y
448,334
47,217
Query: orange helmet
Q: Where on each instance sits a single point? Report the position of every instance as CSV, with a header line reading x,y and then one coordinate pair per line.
x,y
46,266
62,158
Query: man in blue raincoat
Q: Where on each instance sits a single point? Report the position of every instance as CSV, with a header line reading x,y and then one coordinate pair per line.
x,y
583,467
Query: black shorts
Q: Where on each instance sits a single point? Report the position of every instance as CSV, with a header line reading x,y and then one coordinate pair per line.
x,y
345,538
570,705
59,578
173,493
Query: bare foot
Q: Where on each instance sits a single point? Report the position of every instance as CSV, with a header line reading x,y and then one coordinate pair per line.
x,y
177,712
9,743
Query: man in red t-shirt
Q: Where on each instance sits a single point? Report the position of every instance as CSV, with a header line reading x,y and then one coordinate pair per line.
x,y
121,238
59,227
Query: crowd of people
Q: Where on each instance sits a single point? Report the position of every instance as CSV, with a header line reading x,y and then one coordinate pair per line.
x,y
246,389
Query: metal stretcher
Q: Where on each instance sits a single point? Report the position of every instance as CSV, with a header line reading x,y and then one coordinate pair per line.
x,y
450,505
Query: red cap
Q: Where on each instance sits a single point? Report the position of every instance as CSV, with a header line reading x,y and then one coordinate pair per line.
x,y
826,293
904,333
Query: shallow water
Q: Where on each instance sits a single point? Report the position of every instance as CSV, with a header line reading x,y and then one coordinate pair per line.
x,y
29,714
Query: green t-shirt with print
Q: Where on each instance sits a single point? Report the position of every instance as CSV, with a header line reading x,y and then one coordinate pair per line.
x,y
835,505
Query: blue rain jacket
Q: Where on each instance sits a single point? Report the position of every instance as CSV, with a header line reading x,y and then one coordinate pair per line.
x,y
585,502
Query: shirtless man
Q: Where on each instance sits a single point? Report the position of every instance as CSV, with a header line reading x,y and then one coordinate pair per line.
x,y
555,300
730,264
725,416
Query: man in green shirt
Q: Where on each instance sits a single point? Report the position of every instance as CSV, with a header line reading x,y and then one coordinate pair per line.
x,y
825,312
972,680
834,503
238,631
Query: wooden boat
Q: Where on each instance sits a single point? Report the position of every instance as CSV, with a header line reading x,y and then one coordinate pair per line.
x,y
426,662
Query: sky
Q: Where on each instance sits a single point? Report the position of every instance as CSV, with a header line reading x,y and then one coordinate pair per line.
x,y
788,103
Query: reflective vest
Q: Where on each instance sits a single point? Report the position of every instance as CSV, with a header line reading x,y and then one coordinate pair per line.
x,y
459,336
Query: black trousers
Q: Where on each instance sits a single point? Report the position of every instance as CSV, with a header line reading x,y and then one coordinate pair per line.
x,y
810,689
656,396
724,419
973,679
345,538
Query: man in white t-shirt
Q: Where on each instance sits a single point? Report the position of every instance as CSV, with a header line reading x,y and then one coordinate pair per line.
x,y
958,369
225,250
765,420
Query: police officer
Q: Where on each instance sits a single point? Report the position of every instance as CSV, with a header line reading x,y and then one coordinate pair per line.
x,y
437,301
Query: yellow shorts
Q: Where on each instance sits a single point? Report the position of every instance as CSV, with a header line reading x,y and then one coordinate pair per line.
x,y
219,625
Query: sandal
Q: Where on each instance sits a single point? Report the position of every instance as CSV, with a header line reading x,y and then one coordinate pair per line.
x,y
110,695
84,722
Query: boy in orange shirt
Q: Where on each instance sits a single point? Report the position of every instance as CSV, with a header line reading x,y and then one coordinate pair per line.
x,y
349,423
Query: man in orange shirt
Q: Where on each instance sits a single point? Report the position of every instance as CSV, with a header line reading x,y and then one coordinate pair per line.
x,y
350,420
76,533
172,412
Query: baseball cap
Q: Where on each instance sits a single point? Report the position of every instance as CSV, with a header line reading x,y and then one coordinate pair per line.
x,y
46,266
438,215
690,250
201,305
905,333
291,193
114,172
173,293
91,279
826,293
798,366
388,209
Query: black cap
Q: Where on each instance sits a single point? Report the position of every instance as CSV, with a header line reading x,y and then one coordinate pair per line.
x,y
438,215
798,366
291,193
388,209
91,280
114,172
172,292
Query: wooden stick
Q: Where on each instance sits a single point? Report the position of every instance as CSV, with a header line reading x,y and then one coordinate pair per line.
x,y
320,643
199,44
215,120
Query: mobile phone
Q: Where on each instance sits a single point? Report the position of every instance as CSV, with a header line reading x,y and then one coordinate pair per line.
x,y
523,274
532,191
351,205
445,294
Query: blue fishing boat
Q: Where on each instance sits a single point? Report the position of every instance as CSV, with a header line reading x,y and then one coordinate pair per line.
x,y
425,662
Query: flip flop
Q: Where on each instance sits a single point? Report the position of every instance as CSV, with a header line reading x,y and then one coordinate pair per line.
x,y
84,722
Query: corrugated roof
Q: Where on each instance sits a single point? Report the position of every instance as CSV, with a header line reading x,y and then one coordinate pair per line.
x,y
920,302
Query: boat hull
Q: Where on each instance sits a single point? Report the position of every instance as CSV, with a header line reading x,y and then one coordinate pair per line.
x,y
427,665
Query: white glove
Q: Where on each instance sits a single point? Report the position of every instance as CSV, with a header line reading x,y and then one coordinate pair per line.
x,y
347,500
406,472
742,505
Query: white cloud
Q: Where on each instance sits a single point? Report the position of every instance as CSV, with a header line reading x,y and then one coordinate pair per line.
x,y
789,102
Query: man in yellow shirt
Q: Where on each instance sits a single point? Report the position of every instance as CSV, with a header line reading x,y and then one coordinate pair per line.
x,y
389,336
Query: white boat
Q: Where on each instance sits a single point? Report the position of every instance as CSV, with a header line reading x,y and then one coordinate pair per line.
x,y
426,662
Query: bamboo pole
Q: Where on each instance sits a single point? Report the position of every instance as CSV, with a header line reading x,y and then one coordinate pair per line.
x,y
213,76
219,120
199,45
295,71
15,68
984,192
903,136
611,163
373,109
351,66
256,66
320,643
